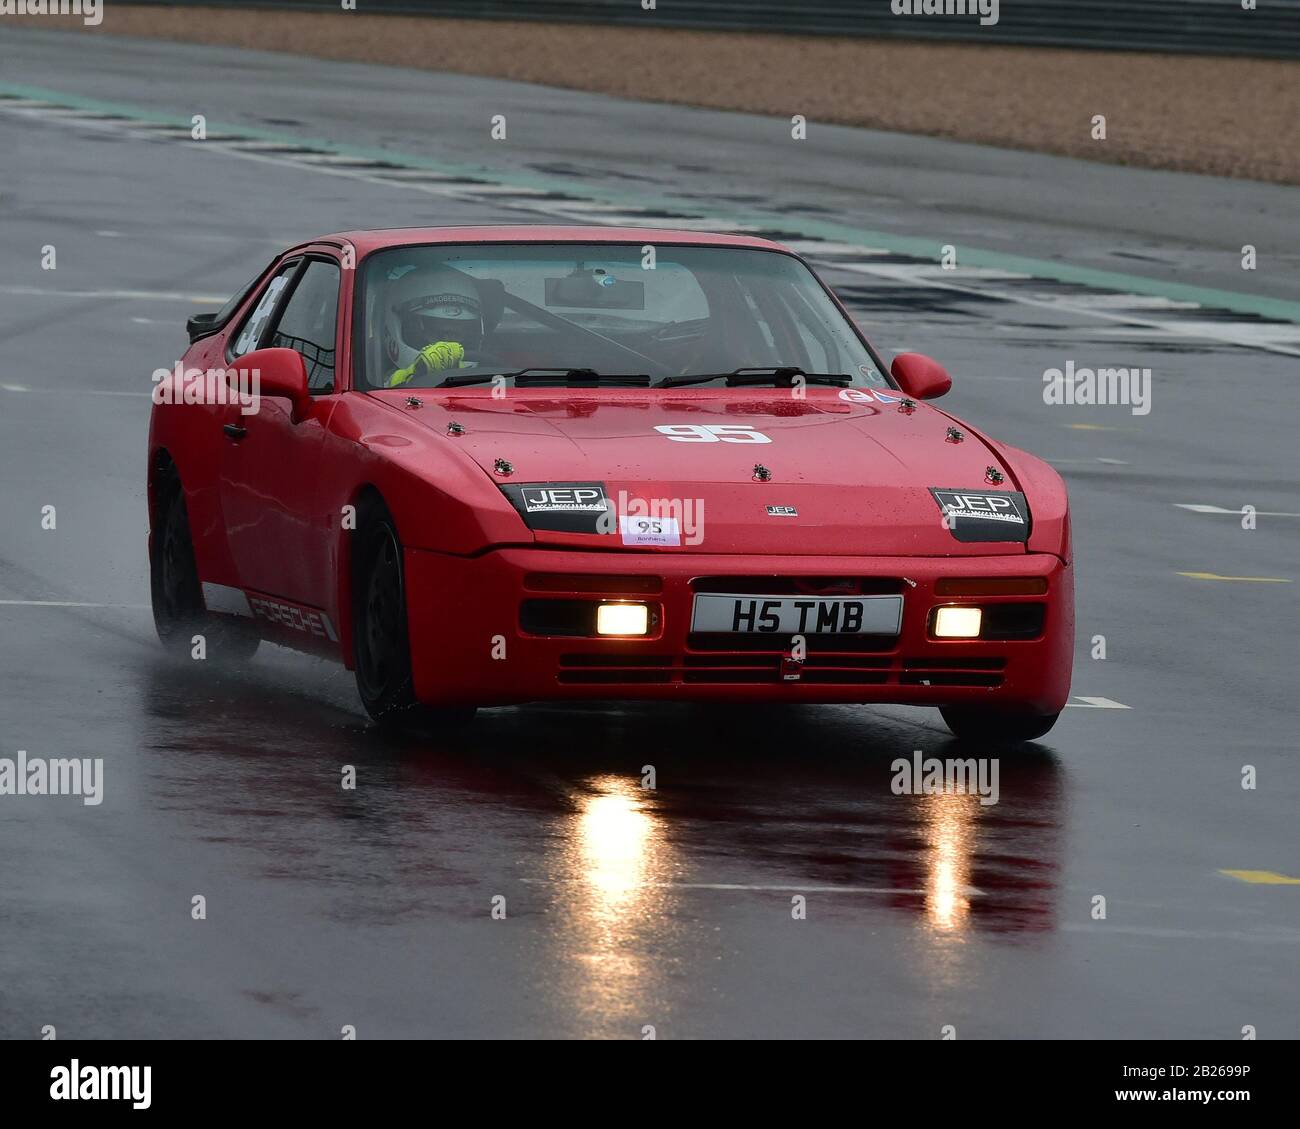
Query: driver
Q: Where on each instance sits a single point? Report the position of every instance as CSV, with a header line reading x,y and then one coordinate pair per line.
x,y
434,317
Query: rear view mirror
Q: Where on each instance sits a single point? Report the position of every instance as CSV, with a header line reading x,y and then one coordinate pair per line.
x,y
595,290
921,377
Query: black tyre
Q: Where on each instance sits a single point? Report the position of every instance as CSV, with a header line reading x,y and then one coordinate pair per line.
x,y
996,728
179,613
380,642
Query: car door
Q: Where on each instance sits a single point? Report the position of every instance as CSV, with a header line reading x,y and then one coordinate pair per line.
x,y
278,532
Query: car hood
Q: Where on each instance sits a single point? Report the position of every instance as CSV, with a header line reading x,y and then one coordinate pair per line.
x,y
855,465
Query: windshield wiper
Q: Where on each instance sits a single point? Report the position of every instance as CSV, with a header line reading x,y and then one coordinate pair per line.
x,y
552,378
783,376
579,378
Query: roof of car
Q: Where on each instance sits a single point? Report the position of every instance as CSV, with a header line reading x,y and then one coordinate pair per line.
x,y
367,241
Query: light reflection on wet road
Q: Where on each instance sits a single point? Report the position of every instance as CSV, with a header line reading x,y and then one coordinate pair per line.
x,y
618,896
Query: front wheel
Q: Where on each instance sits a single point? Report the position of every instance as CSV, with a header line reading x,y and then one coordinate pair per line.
x,y
996,728
380,643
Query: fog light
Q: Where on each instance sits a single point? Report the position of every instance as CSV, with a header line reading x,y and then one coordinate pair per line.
x,y
622,619
957,623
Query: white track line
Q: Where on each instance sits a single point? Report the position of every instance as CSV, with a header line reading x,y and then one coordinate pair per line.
x,y
1088,703
71,391
66,604
1197,508
150,295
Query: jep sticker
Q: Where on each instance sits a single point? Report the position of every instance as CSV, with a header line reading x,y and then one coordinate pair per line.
x,y
562,507
984,515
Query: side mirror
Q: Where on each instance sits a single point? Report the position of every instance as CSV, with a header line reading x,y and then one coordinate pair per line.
x,y
275,372
921,377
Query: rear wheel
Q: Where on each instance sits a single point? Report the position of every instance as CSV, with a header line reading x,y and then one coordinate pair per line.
x,y
179,613
380,641
996,728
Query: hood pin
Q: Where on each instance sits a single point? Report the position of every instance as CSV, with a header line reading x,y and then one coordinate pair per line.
x,y
503,468
907,405
955,435
414,402
761,473
455,428
993,475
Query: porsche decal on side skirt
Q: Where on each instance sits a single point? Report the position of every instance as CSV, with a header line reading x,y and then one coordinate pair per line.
x,y
296,617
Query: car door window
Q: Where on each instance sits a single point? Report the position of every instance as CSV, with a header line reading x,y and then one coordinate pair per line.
x,y
236,300
308,323
251,334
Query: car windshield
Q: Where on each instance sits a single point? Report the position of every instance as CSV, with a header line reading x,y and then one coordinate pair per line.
x,y
456,314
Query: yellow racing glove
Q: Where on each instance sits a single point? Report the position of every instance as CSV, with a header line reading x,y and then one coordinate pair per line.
x,y
438,357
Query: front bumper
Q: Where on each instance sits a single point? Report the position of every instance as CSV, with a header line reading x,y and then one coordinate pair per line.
x,y
468,646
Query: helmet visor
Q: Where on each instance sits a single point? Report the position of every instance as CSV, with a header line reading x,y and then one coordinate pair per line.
x,y
441,317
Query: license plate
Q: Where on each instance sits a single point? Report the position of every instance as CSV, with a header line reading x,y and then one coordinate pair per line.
x,y
798,615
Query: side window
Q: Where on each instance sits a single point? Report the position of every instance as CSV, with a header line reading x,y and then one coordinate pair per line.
x,y
236,300
308,322
249,336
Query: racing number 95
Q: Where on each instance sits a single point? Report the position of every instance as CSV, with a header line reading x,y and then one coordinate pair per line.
x,y
711,433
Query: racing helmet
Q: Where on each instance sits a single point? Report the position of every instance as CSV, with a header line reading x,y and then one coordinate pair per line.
x,y
431,304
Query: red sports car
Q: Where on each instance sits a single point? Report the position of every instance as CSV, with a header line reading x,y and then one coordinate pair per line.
x,y
487,465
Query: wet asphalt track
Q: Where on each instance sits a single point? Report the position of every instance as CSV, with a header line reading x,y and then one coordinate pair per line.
x,y
628,907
